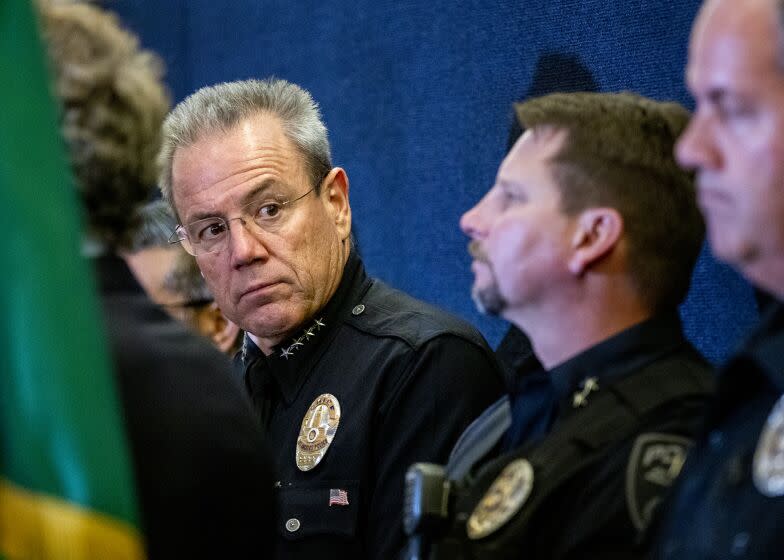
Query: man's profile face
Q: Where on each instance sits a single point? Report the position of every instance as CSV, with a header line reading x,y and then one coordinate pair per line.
x,y
150,267
520,237
735,140
266,281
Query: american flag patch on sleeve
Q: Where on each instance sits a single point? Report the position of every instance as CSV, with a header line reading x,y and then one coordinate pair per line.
x,y
338,497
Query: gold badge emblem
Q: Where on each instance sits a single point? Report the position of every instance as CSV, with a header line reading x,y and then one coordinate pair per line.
x,y
318,429
503,500
769,457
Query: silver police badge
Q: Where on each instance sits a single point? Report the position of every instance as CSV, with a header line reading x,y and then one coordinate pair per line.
x,y
317,431
654,464
503,499
769,457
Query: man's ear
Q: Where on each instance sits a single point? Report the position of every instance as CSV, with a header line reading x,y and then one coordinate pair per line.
x,y
214,324
335,188
598,232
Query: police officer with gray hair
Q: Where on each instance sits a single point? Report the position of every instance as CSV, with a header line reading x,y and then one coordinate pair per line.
x,y
353,380
730,500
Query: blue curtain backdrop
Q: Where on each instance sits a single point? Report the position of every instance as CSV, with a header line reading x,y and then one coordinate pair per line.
x,y
417,96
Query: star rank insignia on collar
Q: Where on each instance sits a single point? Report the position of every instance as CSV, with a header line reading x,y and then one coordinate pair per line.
x,y
311,331
580,398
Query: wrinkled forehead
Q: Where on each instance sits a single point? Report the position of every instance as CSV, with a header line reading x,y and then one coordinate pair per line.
x,y
235,160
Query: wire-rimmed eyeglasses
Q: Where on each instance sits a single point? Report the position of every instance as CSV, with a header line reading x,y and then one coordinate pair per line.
x,y
269,211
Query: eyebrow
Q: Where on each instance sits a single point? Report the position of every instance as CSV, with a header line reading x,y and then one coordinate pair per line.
x,y
246,199
509,184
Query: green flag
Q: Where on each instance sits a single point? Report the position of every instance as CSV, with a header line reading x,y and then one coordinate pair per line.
x,y
66,486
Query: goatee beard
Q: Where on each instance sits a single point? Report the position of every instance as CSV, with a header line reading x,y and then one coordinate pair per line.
x,y
488,300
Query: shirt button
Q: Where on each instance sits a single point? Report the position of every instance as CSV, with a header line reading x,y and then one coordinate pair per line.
x,y
292,525
358,309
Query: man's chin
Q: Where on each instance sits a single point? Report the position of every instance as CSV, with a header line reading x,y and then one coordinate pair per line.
x,y
488,300
731,249
272,322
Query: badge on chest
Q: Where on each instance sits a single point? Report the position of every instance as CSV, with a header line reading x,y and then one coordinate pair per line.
x,y
502,500
317,431
769,456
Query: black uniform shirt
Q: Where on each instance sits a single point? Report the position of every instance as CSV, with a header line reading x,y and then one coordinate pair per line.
x,y
626,408
408,379
717,511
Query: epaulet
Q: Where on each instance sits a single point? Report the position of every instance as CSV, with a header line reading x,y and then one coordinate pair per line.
x,y
385,311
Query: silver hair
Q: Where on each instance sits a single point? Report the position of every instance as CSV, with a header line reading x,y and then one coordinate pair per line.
x,y
156,224
185,279
220,107
155,227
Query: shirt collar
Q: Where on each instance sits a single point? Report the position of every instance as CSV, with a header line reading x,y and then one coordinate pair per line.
x,y
615,358
292,360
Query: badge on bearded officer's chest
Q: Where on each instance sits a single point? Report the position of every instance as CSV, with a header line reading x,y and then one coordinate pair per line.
x,y
502,500
317,431
769,457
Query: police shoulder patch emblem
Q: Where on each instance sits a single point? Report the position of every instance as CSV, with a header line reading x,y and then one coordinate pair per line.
x,y
502,500
769,456
317,431
654,464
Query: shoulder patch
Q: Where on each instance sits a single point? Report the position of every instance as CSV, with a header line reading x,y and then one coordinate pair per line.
x,y
654,464
503,499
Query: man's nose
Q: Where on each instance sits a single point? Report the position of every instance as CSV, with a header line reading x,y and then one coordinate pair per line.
x,y
472,222
696,148
246,242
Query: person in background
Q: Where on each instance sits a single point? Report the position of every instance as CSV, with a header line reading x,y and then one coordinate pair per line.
x,y
172,279
586,242
729,502
203,480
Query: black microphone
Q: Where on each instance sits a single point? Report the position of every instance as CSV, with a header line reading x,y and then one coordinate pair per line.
x,y
426,507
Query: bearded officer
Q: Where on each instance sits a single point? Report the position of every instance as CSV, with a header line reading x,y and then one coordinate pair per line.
x,y
730,501
587,242
353,380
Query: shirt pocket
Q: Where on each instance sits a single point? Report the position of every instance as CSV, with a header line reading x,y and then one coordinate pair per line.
x,y
319,508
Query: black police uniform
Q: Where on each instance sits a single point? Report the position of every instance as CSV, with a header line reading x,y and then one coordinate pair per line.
x,y
716,510
626,411
408,379
203,479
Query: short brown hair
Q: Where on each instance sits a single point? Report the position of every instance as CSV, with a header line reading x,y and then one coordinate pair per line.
x,y
113,104
619,153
